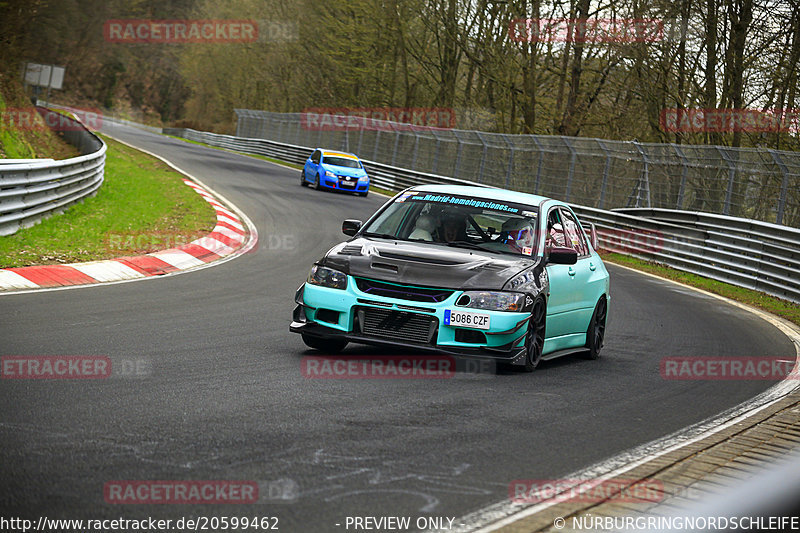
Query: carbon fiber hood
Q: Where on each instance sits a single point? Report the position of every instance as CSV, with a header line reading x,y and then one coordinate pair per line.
x,y
425,264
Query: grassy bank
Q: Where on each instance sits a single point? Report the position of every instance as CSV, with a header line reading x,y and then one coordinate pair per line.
x,y
142,206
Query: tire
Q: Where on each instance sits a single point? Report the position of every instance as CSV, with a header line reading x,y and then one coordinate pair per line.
x,y
596,332
315,184
303,182
363,194
534,340
324,345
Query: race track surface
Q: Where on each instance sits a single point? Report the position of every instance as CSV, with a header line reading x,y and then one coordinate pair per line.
x,y
222,396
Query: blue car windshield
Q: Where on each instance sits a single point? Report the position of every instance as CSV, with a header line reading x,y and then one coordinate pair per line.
x,y
347,162
459,221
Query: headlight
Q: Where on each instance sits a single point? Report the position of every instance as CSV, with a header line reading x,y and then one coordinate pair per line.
x,y
327,277
330,174
493,301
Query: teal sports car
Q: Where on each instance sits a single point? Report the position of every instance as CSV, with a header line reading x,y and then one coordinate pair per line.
x,y
469,271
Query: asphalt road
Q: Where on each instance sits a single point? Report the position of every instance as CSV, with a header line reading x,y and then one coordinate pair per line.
x,y
220,395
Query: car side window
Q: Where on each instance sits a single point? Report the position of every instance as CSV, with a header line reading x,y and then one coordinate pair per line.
x,y
572,231
315,157
554,235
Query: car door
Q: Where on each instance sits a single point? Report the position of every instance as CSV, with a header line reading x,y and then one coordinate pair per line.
x,y
310,168
583,271
565,306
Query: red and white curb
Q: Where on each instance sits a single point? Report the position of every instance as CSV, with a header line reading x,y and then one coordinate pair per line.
x,y
227,238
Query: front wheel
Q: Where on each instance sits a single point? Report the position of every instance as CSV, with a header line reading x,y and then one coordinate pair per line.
x,y
597,329
362,194
315,184
534,339
324,345
303,181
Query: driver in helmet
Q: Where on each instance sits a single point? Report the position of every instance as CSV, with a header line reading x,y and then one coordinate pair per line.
x,y
518,235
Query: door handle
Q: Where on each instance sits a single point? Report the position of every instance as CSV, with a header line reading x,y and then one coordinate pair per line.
x,y
592,267
571,271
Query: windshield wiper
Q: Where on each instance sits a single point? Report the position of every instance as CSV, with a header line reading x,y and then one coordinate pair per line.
x,y
472,245
467,244
381,235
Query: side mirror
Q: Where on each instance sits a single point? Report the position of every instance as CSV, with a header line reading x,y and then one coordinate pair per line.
x,y
593,235
350,227
562,256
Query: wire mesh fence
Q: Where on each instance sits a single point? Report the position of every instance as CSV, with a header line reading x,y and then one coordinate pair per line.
x,y
756,183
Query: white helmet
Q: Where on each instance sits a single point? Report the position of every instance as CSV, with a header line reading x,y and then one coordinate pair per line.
x,y
519,234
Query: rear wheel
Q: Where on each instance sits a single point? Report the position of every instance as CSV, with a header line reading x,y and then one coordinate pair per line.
x,y
324,345
303,181
597,329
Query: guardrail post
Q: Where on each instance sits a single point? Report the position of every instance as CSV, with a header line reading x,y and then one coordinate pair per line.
x,y
731,177
360,137
458,154
644,179
377,140
436,153
416,148
510,159
396,144
606,170
784,185
684,173
571,173
541,161
297,135
483,157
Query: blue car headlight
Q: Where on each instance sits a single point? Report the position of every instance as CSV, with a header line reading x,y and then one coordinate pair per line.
x,y
492,301
329,174
327,277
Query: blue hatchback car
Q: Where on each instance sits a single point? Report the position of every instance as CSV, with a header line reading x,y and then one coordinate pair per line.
x,y
340,171
470,271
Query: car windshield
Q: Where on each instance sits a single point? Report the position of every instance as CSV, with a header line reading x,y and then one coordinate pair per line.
x,y
348,162
459,221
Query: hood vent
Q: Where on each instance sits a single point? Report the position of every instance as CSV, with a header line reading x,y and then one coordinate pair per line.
x,y
491,267
351,249
418,259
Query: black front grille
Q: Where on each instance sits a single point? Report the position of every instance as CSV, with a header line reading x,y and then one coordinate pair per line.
x,y
415,294
397,325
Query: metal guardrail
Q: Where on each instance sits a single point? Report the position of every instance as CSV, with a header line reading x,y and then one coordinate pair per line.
x,y
747,253
30,191
755,183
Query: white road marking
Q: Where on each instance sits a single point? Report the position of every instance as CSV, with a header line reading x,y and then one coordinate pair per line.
x,y
12,280
107,270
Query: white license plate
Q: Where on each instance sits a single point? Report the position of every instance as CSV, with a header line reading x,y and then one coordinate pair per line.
x,y
464,319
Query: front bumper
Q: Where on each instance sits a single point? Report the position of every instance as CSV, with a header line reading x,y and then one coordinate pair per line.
x,y
339,184
344,314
